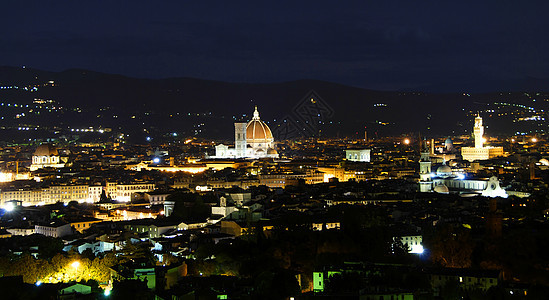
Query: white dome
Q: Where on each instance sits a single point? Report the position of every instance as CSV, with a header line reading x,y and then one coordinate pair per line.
x,y
441,189
444,171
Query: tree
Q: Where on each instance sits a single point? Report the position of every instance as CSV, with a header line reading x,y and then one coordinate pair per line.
x,y
451,247
49,247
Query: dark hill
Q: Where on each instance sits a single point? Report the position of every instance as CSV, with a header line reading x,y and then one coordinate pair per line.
x,y
350,109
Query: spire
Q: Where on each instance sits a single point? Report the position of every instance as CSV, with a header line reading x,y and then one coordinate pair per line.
x,y
256,114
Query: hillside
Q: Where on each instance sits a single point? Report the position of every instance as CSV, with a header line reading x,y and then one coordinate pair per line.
x,y
168,104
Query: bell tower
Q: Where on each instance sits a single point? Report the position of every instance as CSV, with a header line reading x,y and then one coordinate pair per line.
x,y
240,139
425,182
478,131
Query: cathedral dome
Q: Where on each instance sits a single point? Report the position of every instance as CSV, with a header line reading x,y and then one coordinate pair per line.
x,y
442,189
257,131
444,171
45,150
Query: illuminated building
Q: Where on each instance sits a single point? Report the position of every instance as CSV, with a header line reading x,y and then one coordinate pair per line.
x,y
67,193
411,241
21,230
94,193
425,182
54,229
252,140
83,223
26,197
480,152
360,155
156,198
124,192
188,168
11,176
154,228
444,181
46,156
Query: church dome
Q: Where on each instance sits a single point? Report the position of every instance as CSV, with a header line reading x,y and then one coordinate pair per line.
x,y
444,171
257,131
441,189
45,150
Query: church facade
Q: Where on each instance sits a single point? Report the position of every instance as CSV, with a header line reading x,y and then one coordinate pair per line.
x,y
46,156
251,140
445,180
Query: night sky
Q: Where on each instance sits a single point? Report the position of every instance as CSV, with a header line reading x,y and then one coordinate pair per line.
x,y
373,44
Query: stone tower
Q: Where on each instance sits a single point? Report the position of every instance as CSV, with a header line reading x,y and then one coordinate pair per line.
x,y
240,139
425,182
478,131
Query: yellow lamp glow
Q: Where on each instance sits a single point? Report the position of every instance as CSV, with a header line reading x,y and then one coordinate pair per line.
x,y
75,264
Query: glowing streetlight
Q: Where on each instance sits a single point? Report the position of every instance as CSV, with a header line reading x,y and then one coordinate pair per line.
x,y
9,206
406,141
75,264
417,249
534,140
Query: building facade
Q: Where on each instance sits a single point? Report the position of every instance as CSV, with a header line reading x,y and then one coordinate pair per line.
x,y
359,155
47,156
480,152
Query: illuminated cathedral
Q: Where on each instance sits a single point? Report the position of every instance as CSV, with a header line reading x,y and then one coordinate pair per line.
x,y
251,140
46,156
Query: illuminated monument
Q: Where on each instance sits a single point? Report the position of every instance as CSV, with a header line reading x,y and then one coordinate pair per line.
x,y
46,156
425,182
480,152
446,181
251,140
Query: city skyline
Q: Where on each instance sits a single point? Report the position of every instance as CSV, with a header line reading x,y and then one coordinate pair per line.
x,y
274,150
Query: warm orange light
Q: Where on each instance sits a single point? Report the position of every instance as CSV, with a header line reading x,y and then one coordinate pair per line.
x,y
406,141
534,140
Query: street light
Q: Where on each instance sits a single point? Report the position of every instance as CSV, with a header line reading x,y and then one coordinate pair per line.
x,y
9,206
407,141
75,264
